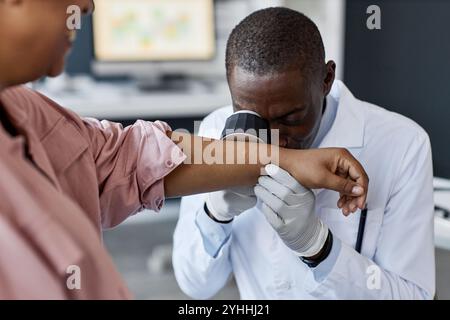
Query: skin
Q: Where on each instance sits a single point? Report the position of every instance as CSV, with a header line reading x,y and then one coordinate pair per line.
x,y
35,43
37,38
290,100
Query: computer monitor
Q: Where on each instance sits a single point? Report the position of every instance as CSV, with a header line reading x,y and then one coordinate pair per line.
x,y
147,37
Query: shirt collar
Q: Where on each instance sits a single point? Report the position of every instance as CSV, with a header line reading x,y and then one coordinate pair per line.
x,y
328,117
18,116
347,130
13,145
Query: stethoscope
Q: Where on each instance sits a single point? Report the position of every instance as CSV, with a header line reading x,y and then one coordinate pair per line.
x,y
361,227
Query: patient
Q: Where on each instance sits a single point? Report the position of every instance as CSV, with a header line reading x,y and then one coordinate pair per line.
x,y
295,244
63,178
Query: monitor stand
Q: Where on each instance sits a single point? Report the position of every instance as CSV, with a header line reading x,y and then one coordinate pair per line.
x,y
165,82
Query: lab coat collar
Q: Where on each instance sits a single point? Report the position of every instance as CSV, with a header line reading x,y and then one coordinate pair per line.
x,y
347,130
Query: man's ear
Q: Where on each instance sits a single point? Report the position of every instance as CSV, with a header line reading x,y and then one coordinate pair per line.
x,y
330,74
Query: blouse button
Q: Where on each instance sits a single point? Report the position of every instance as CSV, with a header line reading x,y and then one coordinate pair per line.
x,y
169,163
159,203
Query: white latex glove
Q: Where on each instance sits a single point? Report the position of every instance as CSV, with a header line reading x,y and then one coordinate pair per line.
x,y
289,208
226,204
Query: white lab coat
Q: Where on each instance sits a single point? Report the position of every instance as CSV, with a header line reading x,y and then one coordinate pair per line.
x,y
397,260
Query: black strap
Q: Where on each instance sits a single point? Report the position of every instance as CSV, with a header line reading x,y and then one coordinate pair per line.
x,y
325,252
205,207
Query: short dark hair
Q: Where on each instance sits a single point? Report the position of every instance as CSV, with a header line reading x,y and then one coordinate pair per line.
x,y
275,40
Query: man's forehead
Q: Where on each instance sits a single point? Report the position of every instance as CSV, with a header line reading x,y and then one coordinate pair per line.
x,y
270,111
245,83
277,92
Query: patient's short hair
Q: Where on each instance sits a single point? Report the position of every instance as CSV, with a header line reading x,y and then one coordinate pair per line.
x,y
275,40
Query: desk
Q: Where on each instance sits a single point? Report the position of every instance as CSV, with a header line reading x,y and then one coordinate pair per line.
x,y
124,101
442,225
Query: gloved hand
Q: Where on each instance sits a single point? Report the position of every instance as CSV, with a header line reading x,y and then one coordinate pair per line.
x,y
226,204
289,208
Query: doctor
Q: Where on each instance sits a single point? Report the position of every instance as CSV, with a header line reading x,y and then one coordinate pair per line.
x,y
295,244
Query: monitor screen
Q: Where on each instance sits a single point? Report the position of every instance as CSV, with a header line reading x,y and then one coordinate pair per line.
x,y
153,30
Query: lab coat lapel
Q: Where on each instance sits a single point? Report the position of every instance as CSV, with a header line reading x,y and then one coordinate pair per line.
x,y
347,130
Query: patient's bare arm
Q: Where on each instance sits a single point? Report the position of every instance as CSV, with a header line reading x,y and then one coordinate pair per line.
x,y
241,163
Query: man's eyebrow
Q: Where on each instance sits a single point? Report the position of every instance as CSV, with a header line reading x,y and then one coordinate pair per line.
x,y
289,113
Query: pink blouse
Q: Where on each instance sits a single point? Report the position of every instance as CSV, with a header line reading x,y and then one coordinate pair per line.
x,y
85,175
